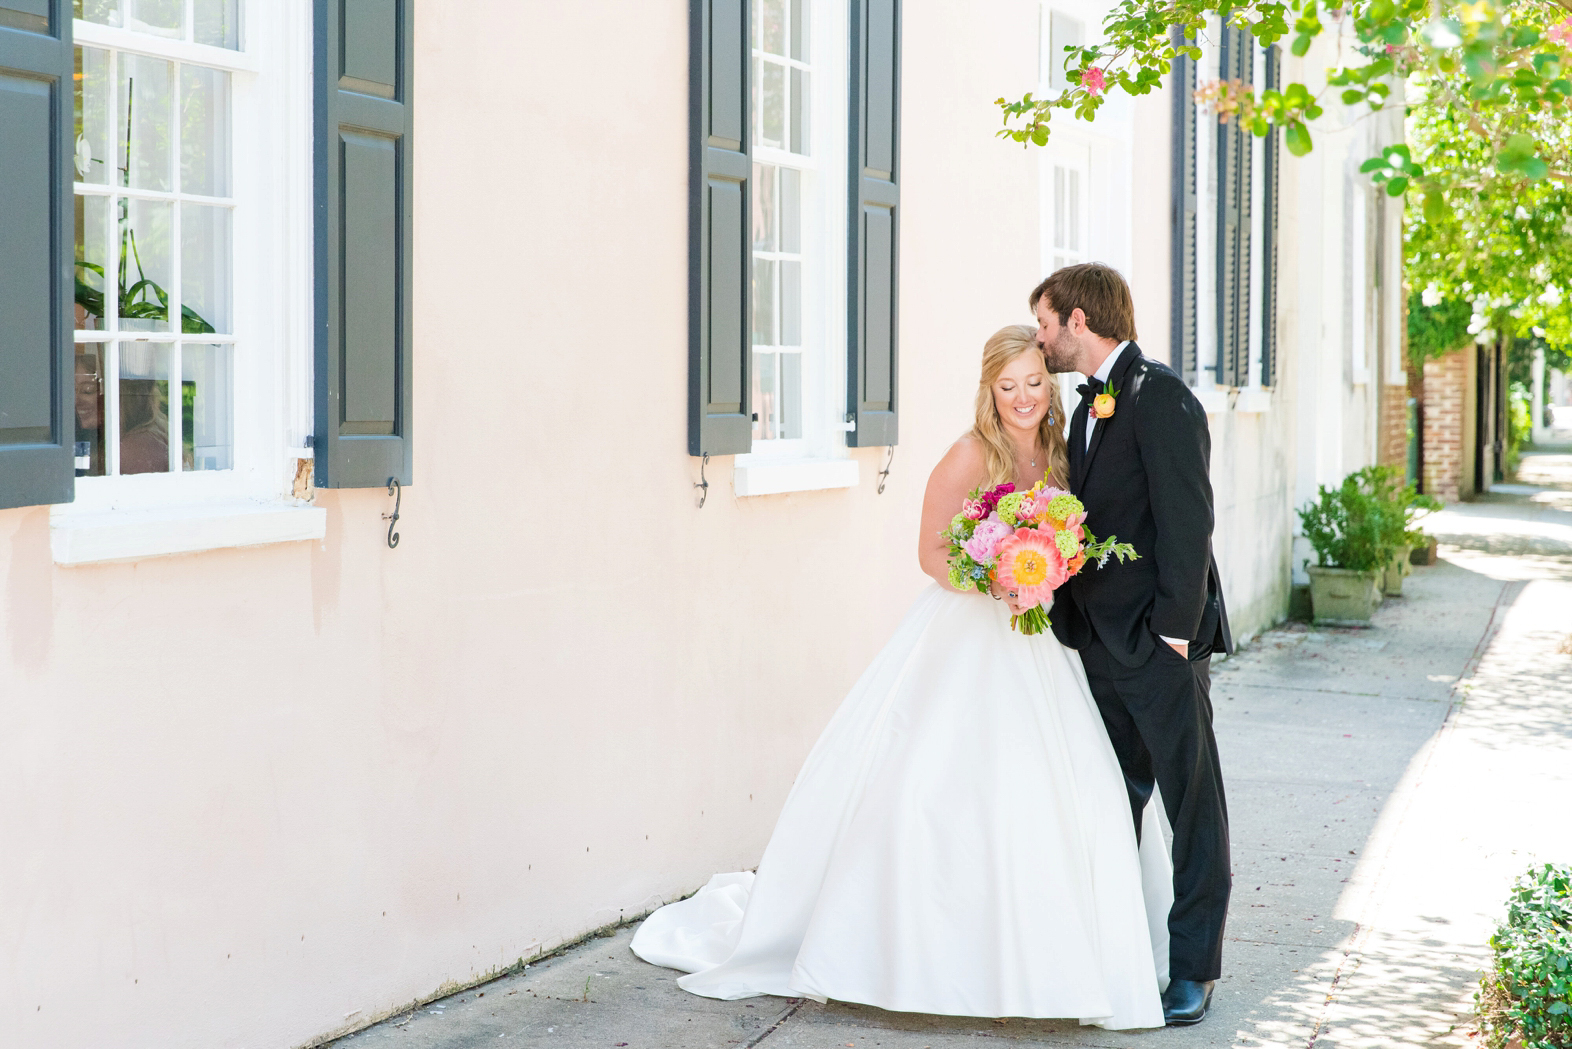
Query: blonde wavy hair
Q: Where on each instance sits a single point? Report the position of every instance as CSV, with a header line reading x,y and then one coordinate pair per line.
x,y
1004,346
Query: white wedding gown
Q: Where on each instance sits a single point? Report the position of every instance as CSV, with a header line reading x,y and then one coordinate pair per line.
x,y
958,842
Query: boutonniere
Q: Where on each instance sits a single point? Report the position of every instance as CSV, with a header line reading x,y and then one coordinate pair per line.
x,y
1103,404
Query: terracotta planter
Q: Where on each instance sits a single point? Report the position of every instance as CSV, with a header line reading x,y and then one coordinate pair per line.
x,y
1392,578
1343,596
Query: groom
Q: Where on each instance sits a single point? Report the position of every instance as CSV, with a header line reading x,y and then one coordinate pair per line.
x,y
1146,630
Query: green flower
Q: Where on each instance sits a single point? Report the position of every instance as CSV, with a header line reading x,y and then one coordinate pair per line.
x,y
958,578
1009,506
1067,544
1061,507
958,525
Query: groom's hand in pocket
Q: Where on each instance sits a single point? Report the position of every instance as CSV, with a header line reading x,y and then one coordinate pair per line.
x,y
1181,647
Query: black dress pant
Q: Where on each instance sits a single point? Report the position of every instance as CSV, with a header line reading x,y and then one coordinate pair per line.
x,y
1159,717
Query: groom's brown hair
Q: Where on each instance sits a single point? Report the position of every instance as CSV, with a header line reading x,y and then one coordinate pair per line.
x,y
1098,291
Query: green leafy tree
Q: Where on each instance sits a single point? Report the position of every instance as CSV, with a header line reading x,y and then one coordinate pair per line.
x,y
1499,67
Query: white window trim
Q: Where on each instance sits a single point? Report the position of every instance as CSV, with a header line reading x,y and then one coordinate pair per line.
x,y
1359,292
150,515
819,459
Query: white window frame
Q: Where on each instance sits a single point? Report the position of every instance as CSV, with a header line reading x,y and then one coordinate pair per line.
x,y
134,516
819,458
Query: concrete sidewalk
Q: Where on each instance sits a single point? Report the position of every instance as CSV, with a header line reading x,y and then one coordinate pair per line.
x,y
1385,786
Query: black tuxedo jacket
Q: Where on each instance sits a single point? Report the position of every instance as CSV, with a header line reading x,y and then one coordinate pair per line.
x,y
1145,480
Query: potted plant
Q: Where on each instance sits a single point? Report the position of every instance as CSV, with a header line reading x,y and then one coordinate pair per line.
x,y
1347,527
1398,504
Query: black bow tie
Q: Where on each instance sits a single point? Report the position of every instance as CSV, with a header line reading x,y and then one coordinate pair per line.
x,y
1089,390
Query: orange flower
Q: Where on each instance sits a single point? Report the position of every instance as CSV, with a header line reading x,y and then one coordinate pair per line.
x,y
1103,405
1031,566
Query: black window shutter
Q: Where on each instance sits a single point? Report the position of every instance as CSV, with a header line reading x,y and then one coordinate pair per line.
x,y
1233,222
37,426
873,223
1269,178
1182,333
363,212
720,249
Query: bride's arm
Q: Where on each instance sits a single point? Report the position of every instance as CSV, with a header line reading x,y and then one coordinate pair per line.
x,y
962,469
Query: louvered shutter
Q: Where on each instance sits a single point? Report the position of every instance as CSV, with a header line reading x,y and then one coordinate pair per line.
x,y
1270,175
37,425
1233,222
720,251
872,397
363,251
1182,304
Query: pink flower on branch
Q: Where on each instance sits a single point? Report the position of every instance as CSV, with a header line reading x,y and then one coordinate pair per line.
x,y
1562,33
1092,79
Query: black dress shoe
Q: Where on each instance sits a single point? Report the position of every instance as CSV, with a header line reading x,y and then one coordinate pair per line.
x,y
1186,1002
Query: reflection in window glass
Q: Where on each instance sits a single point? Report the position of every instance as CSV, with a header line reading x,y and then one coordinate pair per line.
x,y
781,127
159,17
204,131
206,391
91,368
92,115
104,12
144,407
204,269
217,23
142,121
152,201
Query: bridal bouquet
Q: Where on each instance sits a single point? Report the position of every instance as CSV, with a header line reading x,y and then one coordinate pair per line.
x,y
1029,542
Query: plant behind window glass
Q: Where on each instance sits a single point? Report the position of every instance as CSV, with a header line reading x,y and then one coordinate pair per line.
x,y
144,299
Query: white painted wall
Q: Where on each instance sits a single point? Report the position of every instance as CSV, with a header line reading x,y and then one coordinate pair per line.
x,y
251,797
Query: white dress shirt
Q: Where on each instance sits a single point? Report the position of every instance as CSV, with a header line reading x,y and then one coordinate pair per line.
x,y
1103,371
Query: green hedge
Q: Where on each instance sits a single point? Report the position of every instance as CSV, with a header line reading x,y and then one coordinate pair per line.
x,y
1528,992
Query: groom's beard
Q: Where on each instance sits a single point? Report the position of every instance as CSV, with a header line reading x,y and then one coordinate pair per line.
x,y
1060,355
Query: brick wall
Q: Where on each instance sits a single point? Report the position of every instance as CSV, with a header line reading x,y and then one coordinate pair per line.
x,y
1445,405
1394,425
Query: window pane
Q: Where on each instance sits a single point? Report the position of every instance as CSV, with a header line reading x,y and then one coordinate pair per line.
x,y
764,292
144,113
90,461
104,12
159,17
1072,233
791,304
764,216
1058,206
204,269
791,210
773,27
217,23
772,103
144,264
206,391
144,407
204,131
799,112
92,115
764,426
789,418
799,30
92,261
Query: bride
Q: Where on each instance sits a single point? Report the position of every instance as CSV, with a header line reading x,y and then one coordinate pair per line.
x,y
959,839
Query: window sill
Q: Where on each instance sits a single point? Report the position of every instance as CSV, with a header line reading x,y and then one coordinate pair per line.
x,y
1213,401
1254,399
766,477
98,537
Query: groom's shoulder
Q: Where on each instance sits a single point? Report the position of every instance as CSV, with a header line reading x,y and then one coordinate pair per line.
x,y
1154,376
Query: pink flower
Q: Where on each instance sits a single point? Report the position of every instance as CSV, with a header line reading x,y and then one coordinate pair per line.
x,y
983,546
1562,33
1031,566
1092,80
972,510
991,497
1073,523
